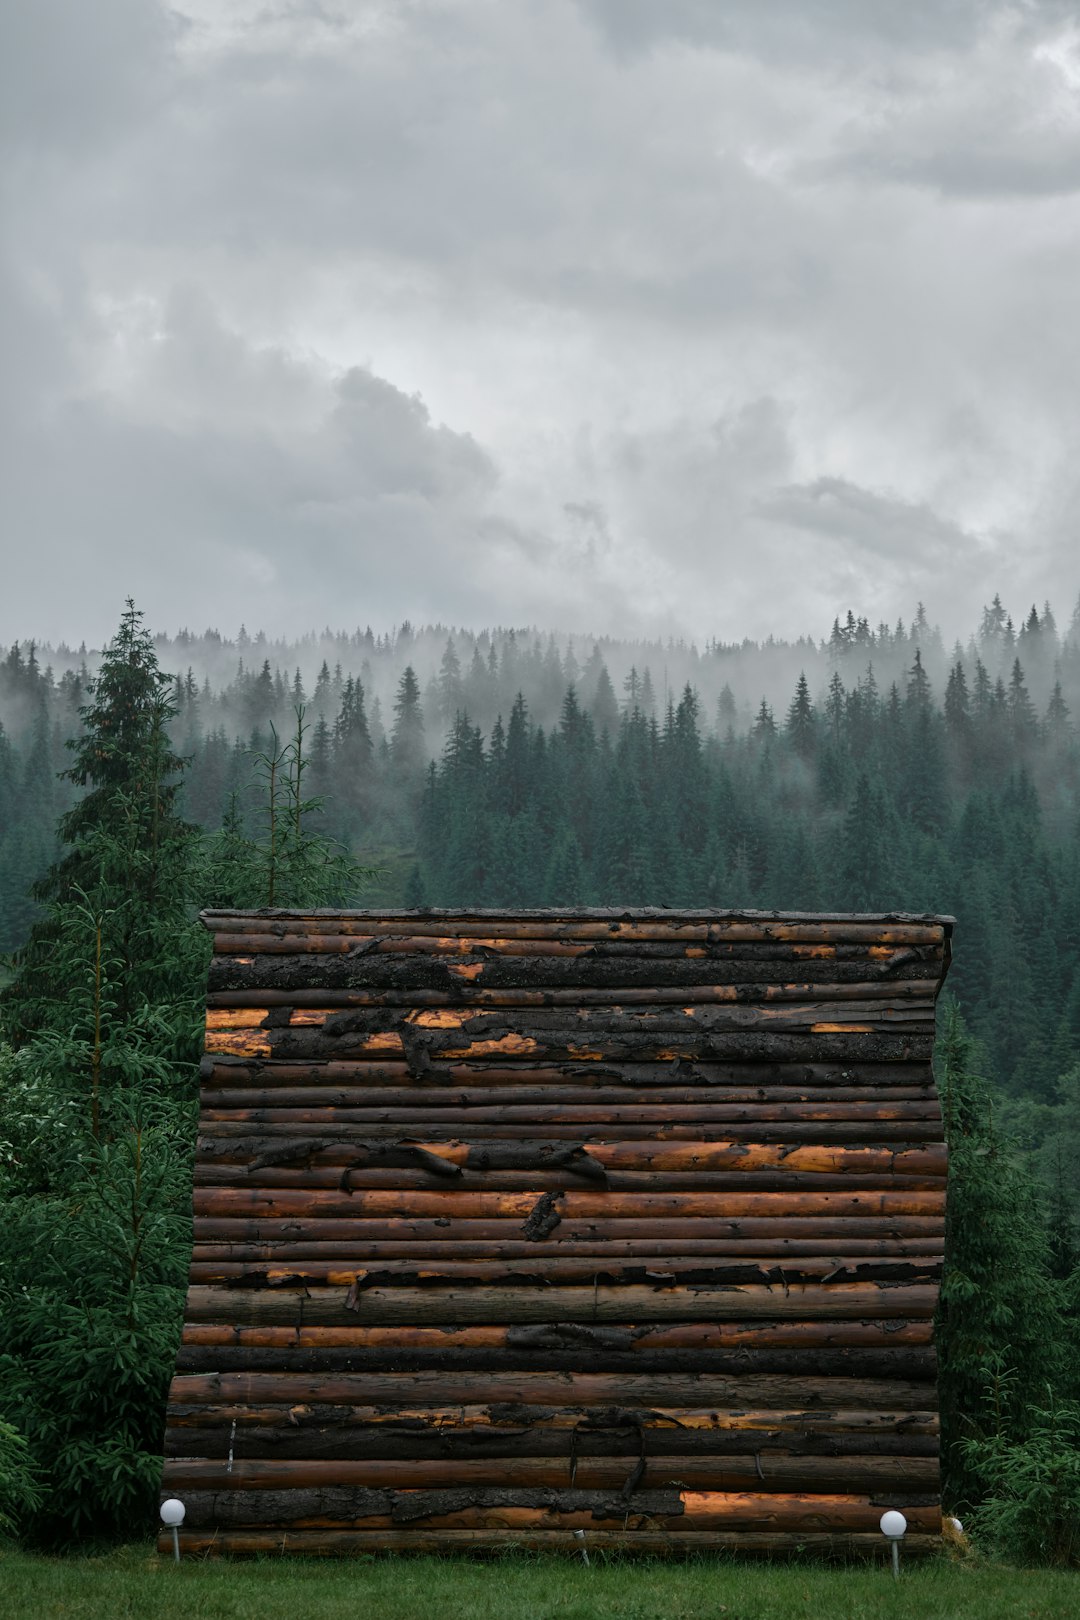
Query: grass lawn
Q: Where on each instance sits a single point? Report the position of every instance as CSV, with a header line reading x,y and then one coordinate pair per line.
x,y
134,1582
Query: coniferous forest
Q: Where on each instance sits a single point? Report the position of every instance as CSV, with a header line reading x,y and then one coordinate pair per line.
x,y
873,769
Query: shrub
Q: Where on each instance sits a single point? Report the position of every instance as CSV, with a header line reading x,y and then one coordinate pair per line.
x,y
1032,1512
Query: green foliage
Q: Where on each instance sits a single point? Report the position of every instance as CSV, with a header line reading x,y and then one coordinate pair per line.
x,y
92,1281
103,1018
867,795
284,863
1031,1514
1000,1331
124,870
95,1115
20,1494
42,1125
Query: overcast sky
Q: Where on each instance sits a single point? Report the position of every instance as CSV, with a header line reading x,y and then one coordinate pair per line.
x,y
649,315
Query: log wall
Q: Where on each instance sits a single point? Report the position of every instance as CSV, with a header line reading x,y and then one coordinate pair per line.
x,y
511,1225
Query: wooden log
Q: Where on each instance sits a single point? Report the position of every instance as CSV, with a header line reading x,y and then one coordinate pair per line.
x,y
574,1204
760,1472
331,1306
237,1007
447,1027
594,1159
602,931
430,965
252,1132
528,1427
546,1270
903,1361
452,1543
368,948
699,1250
794,1120
644,1336
496,1232
576,1389
700,926
595,1105
306,1437
238,1148
477,1507
557,1183
225,1110
726,1082
828,1040
330,1120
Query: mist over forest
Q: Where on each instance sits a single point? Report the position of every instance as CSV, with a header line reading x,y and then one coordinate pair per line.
x,y
873,768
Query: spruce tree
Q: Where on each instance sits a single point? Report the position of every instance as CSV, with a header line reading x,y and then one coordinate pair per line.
x,y
127,852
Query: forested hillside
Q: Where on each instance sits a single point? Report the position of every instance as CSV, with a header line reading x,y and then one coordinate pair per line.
x,y
872,769
888,775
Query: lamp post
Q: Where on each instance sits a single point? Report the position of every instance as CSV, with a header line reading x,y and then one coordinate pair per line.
x,y
894,1526
172,1515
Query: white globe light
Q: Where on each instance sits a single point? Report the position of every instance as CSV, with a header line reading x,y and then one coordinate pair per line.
x,y
893,1524
172,1512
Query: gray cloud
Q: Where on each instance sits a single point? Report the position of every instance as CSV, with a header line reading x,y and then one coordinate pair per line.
x,y
581,312
838,30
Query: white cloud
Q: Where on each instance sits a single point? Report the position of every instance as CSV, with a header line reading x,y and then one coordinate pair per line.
x,y
596,313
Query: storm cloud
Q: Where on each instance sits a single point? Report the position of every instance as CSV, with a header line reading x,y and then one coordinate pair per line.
x,y
701,317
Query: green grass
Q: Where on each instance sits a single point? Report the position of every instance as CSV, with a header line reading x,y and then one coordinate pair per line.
x,y
134,1582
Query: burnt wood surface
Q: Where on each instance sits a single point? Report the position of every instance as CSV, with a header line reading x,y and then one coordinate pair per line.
x,y
515,1225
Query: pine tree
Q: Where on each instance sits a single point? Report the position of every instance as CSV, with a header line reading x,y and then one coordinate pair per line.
x,y
407,746
800,728
128,852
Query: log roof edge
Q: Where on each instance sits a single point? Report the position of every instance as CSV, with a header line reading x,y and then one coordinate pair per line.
x,y
210,916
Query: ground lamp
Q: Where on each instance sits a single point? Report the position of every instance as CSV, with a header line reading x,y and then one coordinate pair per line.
x,y
172,1515
893,1526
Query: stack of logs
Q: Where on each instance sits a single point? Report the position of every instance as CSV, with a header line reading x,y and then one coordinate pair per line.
x,y
511,1225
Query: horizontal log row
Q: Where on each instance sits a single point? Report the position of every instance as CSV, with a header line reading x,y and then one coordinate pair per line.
x,y
339,1434
763,1251
544,1507
756,1471
280,1303
851,1043
641,924
731,1081
595,1159
687,1031
574,1204
632,1336
527,1428
579,1388
882,1228
218,1543
226,1009
512,1227
692,1271
353,1179
270,1114
899,1360
605,971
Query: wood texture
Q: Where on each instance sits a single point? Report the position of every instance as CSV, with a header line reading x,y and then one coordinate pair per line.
x,y
513,1226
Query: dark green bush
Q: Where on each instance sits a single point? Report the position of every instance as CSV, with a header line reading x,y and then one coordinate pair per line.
x,y
1032,1512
